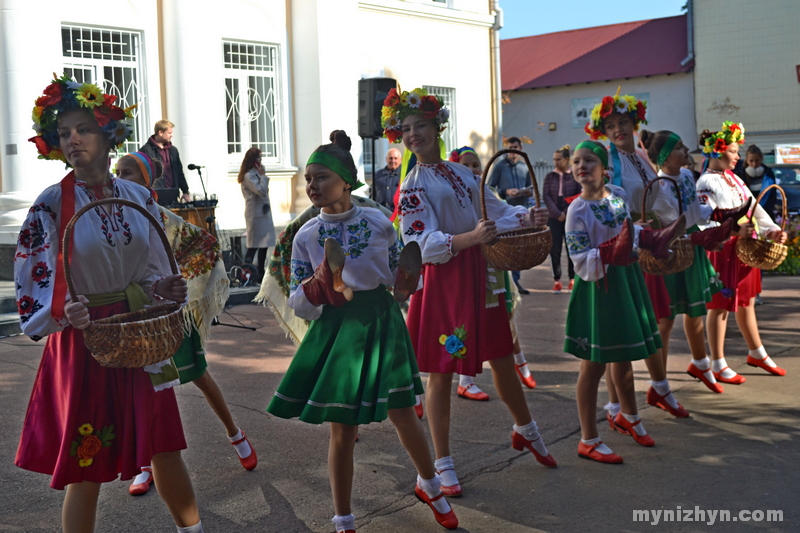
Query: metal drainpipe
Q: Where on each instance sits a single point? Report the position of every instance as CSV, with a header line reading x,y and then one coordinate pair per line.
x,y
689,33
498,87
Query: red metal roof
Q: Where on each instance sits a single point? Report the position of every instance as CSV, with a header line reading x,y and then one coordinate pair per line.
x,y
602,53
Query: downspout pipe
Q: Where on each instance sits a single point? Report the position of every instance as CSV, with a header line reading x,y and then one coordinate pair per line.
x,y
496,79
689,33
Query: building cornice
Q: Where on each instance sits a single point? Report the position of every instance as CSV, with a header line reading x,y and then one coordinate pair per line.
x,y
426,11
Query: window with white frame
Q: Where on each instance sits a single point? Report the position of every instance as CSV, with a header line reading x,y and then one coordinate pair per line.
x,y
252,100
448,96
111,59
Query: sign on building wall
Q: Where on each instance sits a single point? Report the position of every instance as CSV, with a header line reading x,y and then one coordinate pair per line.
x,y
788,154
582,108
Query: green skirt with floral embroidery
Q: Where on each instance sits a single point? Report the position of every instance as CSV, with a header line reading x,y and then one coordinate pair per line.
x,y
355,363
612,319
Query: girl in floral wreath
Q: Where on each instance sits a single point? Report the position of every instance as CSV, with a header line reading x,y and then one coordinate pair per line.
x,y
690,289
198,256
457,321
466,384
355,364
720,189
617,118
610,321
87,424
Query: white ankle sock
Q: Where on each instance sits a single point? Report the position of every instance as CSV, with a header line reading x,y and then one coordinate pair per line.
x,y
704,365
446,470
473,389
197,528
343,523
662,388
531,433
522,364
243,448
718,364
638,428
465,381
602,448
143,476
612,408
432,488
419,400
761,353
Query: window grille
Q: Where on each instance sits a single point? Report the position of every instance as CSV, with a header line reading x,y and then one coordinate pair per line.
x,y
448,96
111,59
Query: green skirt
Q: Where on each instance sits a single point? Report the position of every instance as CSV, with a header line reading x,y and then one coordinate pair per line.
x,y
190,359
690,289
355,363
612,319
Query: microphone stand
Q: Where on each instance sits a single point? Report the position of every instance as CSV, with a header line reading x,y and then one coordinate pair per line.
x,y
210,218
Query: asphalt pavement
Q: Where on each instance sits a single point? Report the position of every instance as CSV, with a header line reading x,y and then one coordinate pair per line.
x,y
733,464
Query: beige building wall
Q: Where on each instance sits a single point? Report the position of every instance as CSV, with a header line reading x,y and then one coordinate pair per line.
x,y
746,68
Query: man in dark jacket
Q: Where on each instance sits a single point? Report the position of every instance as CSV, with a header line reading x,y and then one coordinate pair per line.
x,y
159,146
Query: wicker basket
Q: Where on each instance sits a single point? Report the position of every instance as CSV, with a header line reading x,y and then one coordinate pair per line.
x,y
138,338
759,253
682,255
517,249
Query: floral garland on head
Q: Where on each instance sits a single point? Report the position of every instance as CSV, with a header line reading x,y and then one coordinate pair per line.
x,y
636,109
717,144
63,95
400,104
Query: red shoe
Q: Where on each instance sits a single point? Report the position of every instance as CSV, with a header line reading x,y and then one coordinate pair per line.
x,y
777,371
613,426
137,489
656,400
735,380
418,410
644,440
448,519
557,287
249,462
518,442
588,452
699,374
571,285
529,381
479,396
451,491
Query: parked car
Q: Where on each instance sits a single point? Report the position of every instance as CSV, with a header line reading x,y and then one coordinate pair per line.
x,y
788,177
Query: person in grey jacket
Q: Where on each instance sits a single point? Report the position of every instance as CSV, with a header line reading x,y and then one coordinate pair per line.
x,y
257,212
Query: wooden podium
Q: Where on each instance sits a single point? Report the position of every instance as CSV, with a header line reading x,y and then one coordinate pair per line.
x,y
198,216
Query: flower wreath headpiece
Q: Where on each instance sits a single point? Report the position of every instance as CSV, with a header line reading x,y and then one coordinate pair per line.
x,y
63,95
716,145
637,110
399,105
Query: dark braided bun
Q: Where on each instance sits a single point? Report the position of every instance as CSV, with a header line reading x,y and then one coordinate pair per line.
x,y
340,139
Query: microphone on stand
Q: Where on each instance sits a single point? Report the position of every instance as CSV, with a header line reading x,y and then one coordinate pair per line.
x,y
192,166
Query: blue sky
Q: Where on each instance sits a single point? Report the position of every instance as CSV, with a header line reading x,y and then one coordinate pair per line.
x,y
534,17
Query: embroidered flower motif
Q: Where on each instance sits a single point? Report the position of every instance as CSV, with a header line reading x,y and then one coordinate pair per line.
x,y
41,274
727,293
454,344
577,241
27,307
90,442
611,213
416,228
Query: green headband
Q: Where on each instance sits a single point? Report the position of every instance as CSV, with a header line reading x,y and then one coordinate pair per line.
x,y
598,150
333,163
667,149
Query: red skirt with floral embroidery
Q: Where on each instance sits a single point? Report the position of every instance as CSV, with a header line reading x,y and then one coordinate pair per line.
x,y
451,328
743,281
86,422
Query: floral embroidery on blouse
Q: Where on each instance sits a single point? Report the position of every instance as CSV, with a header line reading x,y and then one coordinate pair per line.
x,y
577,241
358,235
416,228
410,202
455,181
300,271
603,213
394,254
41,274
688,193
33,239
454,344
27,307
90,442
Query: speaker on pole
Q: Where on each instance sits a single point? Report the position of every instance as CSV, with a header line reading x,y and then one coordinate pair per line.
x,y
371,94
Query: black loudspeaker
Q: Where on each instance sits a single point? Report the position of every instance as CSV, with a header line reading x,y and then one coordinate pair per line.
x,y
371,94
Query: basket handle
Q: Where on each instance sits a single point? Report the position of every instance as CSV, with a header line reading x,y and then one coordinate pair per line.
x,y
486,175
674,186
104,201
784,212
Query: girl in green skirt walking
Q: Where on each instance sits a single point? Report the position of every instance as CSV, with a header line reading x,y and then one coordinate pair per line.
x,y
356,364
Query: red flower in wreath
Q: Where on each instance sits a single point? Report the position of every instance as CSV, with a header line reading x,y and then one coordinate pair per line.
x,y
393,135
106,113
52,95
607,106
640,111
392,98
429,106
720,146
41,144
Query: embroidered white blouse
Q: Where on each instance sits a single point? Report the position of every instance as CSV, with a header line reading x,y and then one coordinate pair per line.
x,y
371,247
726,191
696,213
110,250
636,173
591,223
442,200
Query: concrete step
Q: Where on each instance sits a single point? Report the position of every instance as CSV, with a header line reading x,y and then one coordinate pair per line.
x,y
9,324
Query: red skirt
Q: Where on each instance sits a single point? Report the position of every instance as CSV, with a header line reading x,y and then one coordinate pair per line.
x,y
744,281
450,311
86,422
659,296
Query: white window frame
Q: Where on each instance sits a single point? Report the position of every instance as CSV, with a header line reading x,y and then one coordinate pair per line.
x,y
264,62
448,97
102,56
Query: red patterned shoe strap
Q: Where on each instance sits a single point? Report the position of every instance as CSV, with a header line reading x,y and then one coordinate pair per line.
x,y
244,438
